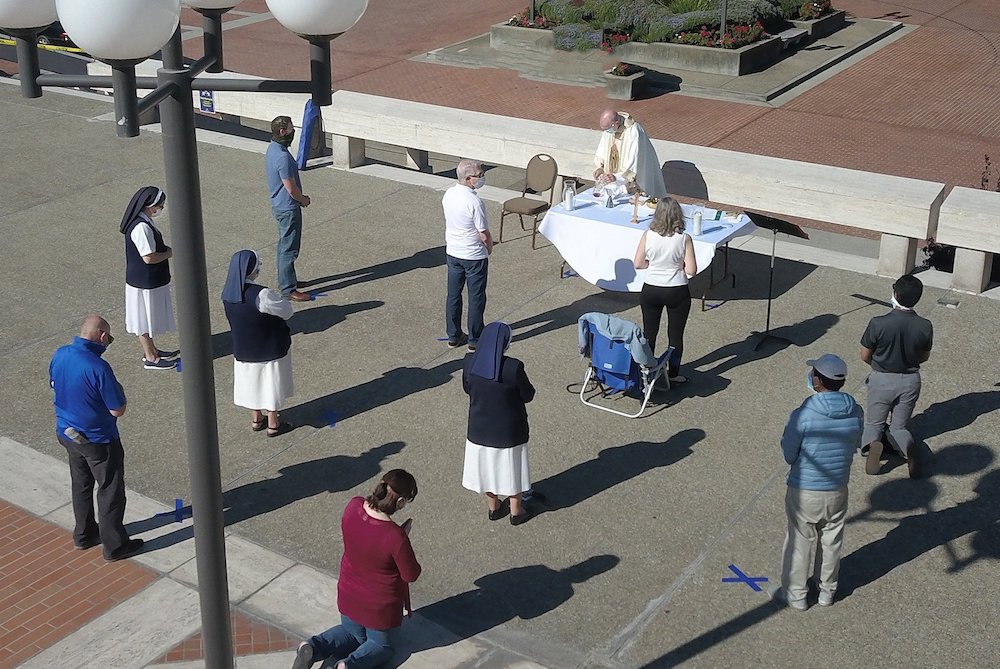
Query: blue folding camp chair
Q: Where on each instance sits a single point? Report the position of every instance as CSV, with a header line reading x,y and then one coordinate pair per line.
x,y
615,370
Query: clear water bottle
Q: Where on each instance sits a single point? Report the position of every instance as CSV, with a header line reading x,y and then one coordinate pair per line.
x,y
697,223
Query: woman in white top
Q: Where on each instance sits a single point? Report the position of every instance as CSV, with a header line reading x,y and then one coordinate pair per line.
x,y
667,255
262,367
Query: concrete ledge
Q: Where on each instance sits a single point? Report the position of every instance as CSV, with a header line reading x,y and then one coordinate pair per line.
x,y
969,219
503,36
712,60
823,26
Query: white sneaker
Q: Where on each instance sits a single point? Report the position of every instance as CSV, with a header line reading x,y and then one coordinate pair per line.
x,y
798,604
826,598
303,656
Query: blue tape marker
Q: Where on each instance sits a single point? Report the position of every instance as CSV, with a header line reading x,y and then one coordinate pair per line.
x,y
331,419
178,366
446,339
740,577
178,510
315,295
568,273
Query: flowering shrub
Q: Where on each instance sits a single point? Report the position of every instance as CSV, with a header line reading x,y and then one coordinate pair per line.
x,y
576,37
522,21
614,41
734,38
624,70
814,10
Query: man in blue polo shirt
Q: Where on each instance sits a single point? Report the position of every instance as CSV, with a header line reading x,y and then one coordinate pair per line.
x,y
88,401
287,200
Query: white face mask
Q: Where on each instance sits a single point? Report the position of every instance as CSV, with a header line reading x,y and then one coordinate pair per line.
x,y
480,182
809,381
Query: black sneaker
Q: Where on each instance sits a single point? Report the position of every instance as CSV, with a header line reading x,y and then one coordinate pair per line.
x,y
914,462
128,550
159,363
455,343
472,347
303,656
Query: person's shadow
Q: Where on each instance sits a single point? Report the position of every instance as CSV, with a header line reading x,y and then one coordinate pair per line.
x,y
569,314
624,275
924,531
423,259
306,321
301,480
522,592
391,386
742,352
956,413
614,466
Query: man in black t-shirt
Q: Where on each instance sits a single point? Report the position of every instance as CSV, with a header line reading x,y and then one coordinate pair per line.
x,y
895,345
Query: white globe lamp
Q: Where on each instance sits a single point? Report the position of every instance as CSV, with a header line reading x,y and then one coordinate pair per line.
x,y
119,30
24,14
317,18
211,4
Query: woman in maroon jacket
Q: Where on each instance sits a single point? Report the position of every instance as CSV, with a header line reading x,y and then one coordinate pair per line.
x,y
375,573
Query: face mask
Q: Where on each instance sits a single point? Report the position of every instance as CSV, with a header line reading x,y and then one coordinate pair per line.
x,y
480,182
897,305
809,382
610,130
156,211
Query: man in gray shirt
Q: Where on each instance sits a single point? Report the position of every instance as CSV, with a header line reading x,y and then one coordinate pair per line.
x,y
895,344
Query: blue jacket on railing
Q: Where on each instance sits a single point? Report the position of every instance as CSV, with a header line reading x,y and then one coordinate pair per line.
x,y
820,439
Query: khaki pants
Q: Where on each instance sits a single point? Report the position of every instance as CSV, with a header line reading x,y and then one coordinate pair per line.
x,y
815,523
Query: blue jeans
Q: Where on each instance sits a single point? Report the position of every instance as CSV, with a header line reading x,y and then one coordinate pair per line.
x,y
461,273
358,646
289,240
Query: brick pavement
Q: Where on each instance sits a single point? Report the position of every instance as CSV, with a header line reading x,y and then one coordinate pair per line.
x,y
49,589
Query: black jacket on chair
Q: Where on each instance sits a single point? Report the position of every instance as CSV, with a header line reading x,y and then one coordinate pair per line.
x,y
497,416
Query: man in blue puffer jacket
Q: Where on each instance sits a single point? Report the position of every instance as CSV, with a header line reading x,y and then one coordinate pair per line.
x,y
819,440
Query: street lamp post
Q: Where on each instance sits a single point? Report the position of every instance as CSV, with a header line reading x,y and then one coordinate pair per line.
x,y
123,33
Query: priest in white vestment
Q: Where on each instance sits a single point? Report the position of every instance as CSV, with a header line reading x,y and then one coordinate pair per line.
x,y
626,153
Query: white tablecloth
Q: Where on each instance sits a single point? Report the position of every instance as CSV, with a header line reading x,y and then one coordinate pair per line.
x,y
599,243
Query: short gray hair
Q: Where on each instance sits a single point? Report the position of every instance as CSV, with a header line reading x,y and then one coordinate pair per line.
x,y
467,168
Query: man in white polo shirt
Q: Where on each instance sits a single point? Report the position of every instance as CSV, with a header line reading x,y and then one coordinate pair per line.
x,y
468,246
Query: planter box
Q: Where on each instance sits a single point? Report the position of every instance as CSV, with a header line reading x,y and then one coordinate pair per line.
x,y
623,88
732,62
503,36
824,25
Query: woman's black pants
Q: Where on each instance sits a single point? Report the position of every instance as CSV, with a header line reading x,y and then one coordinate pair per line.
x,y
677,301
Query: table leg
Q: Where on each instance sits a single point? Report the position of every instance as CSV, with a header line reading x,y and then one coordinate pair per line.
x,y
712,283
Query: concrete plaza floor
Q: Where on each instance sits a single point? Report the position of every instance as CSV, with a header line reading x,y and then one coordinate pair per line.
x,y
647,515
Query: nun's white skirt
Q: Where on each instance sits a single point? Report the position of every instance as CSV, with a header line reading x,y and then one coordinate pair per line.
x,y
148,311
501,471
263,385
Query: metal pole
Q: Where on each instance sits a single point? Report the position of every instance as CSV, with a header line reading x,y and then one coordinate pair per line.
x,y
172,52
724,18
180,156
319,66
211,29
27,66
126,103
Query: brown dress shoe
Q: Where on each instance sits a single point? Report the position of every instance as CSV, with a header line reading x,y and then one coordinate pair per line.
x,y
297,296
